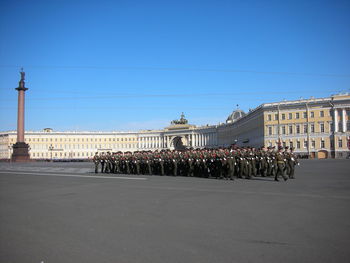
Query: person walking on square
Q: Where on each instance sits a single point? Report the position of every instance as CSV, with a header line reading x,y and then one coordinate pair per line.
x,y
96,160
280,165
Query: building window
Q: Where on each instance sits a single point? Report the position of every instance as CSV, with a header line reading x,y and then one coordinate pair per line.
x,y
321,113
298,129
312,127
313,144
305,128
298,144
340,143
297,115
322,144
283,129
290,116
290,129
291,144
304,114
283,116
321,127
312,114
305,143
276,117
284,144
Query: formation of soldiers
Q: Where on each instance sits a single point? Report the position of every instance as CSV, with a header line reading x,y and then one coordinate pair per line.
x,y
221,163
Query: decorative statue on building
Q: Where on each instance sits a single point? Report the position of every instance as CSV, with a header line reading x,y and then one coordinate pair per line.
x,y
181,121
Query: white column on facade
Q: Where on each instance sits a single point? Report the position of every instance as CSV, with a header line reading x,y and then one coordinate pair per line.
x,y
205,139
335,120
201,140
344,119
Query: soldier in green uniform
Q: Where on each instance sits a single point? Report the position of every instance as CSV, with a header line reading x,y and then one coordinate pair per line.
x,y
253,161
292,161
280,164
263,162
96,160
231,162
102,161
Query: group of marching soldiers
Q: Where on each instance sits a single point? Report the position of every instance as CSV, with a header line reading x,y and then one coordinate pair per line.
x,y
221,163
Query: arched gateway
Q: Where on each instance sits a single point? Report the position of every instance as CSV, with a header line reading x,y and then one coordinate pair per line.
x,y
178,143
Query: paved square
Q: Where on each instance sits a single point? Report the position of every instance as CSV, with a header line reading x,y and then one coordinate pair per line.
x,y
62,212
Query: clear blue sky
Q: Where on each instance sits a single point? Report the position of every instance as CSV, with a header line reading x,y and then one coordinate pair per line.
x,y
130,65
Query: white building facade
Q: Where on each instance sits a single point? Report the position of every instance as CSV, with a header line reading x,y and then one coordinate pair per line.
x,y
319,128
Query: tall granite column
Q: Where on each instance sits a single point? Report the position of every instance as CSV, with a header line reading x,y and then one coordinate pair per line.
x,y
20,148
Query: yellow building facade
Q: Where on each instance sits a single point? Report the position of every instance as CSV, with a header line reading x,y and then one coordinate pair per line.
x,y
318,128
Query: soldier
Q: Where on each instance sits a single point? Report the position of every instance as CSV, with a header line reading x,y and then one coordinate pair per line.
x,y
253,161
242,164
96,160
175,163
248,158
149,161
287,157
127,163
108,164
161,164
263,162
137,161
280,165
231,164
102,161
292,162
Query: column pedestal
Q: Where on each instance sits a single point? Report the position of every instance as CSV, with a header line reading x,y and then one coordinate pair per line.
x,y
20,152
